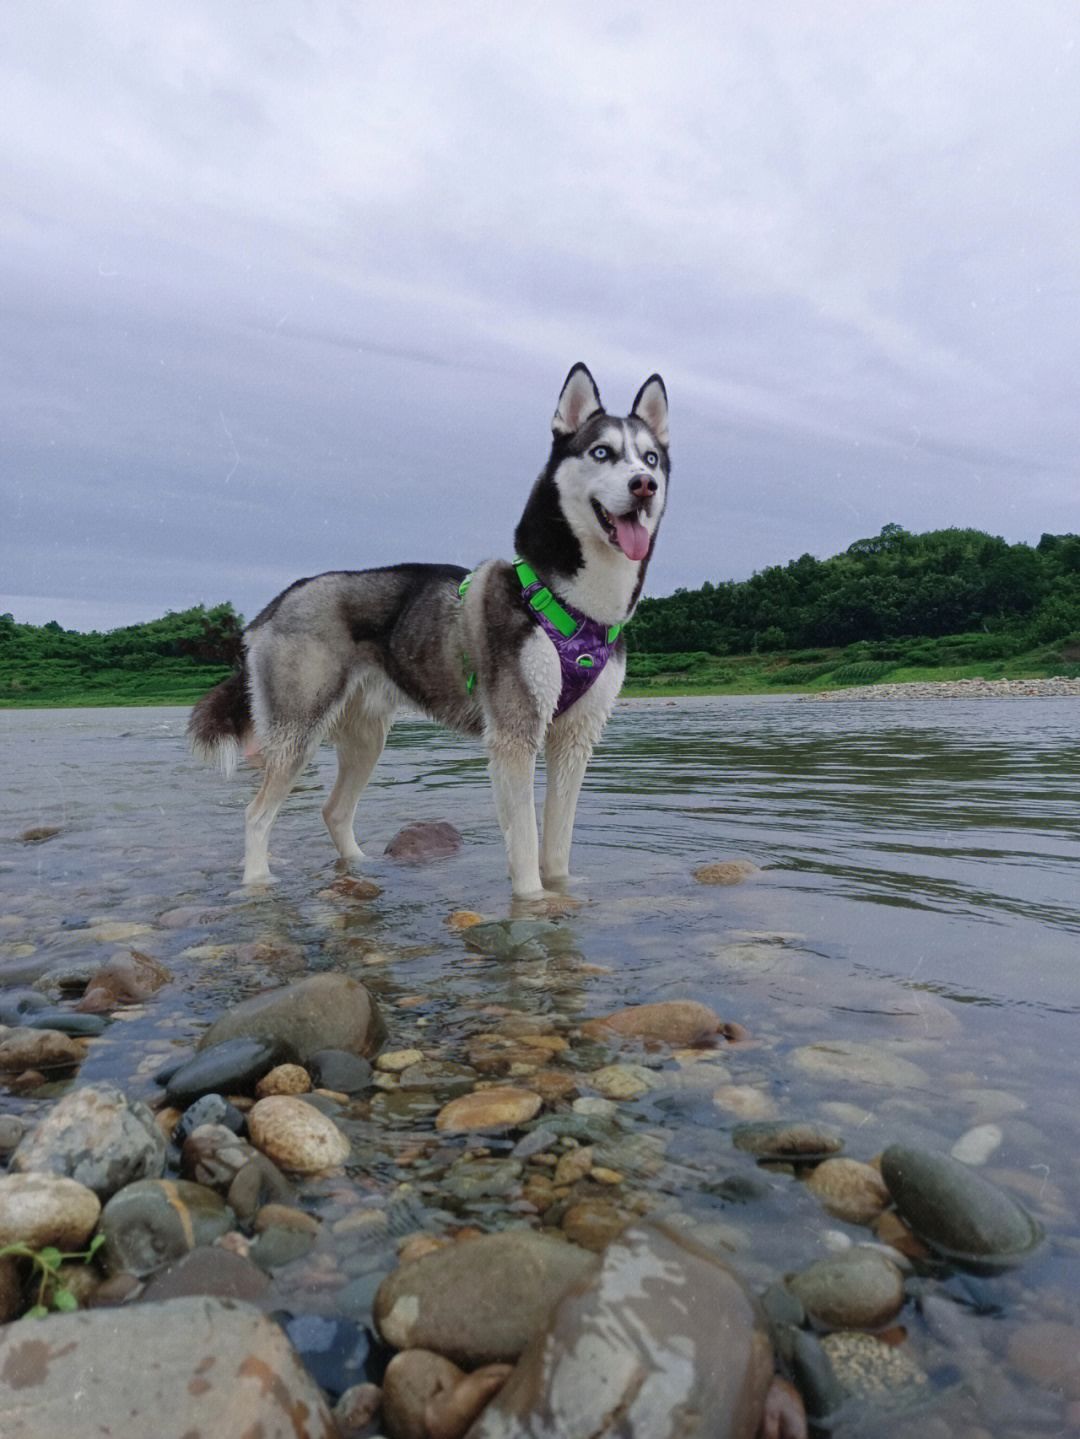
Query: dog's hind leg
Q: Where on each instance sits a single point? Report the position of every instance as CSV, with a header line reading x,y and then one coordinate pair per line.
x,y
360,740
278,779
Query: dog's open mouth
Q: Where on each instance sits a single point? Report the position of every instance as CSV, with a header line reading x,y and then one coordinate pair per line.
x,y
625,531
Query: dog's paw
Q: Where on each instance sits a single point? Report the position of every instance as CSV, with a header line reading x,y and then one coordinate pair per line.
x,y
259,879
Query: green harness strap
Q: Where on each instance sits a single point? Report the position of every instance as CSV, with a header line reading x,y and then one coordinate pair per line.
x,y
543,601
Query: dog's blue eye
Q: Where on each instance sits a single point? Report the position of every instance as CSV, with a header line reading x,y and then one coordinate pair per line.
x,y
599,452
652,459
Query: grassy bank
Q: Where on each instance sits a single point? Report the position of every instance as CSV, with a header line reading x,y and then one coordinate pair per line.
x,y
827,669
174,682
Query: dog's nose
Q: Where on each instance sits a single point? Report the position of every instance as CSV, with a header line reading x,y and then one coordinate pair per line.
x,y
642,486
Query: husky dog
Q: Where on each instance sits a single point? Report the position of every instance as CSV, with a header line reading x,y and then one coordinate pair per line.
x,y
522,655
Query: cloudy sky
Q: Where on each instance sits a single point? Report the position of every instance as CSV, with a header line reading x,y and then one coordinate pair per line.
x,y
294,286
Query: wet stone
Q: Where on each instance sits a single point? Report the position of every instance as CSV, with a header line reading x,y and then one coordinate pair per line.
x,y
438,1076
512,1278
481,1178
849,1190
425,840
339,1070
279,1245
661,1339
45,1050
209,1109
512,938
209,1270
126,979
956,1211
880,1373
18,1005
725,872
324,1011
680,1023
98,1136
296,1136
625,1081
849,1061
232,1067
787,1140
44,1209
152,1221
859,1289
67,1021
488,1109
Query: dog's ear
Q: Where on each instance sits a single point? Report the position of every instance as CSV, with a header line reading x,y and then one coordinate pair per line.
x,y
579,399
651,406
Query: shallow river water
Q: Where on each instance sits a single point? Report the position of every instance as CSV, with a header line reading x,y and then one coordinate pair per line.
x,y
919,889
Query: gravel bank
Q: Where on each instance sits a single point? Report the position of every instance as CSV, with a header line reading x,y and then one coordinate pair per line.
x,y
974,689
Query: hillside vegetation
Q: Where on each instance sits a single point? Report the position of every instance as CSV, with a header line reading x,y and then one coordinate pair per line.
x,y
946,604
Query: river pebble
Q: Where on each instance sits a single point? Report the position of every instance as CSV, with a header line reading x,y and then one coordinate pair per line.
x,y
43,1209
486,1110
152,1221
295,1135
729,871
956,1211
787,1139
512,1278
284,1079
199,1362
45,1051
1048,1353
625,1081
425,839
849,1190
97,1135
679,1023
853,1062
978,1144
232,1067
858,1290
324,1011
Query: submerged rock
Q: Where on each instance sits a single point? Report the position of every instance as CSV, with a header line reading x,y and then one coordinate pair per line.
x,y
481,1300
425,839
232,1067
325,1011
859,1289
661,1340
787,1139
681,1023
957,1212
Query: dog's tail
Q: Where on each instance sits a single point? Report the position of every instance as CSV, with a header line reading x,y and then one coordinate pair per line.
x,y
220,725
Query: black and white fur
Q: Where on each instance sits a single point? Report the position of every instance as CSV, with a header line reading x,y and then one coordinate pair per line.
x,y
333,657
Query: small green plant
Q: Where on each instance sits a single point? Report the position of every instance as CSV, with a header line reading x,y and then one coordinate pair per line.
x,y
46,1264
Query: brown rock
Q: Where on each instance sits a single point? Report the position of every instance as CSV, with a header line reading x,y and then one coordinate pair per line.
x,y
284,1079
46,1050
849,1190
448,1415
355,1411
425,840
552,1085
594,1223
858,1290
43,1209
511,1279
296,1135
488,1109
731,871
681,1023
125,979
414,1379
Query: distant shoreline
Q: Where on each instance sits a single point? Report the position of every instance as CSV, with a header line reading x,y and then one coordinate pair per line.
x,y
1055,687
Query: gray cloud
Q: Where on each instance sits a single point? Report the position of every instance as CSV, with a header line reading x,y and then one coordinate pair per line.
x,y
291,289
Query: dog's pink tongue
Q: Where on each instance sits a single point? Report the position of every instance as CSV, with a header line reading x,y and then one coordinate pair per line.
x,y
632,536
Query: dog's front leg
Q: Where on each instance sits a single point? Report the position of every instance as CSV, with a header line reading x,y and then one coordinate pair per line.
x,y
568,750
513,772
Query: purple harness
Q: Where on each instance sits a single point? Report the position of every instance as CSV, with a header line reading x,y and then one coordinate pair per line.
x,y
582,654
584,646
